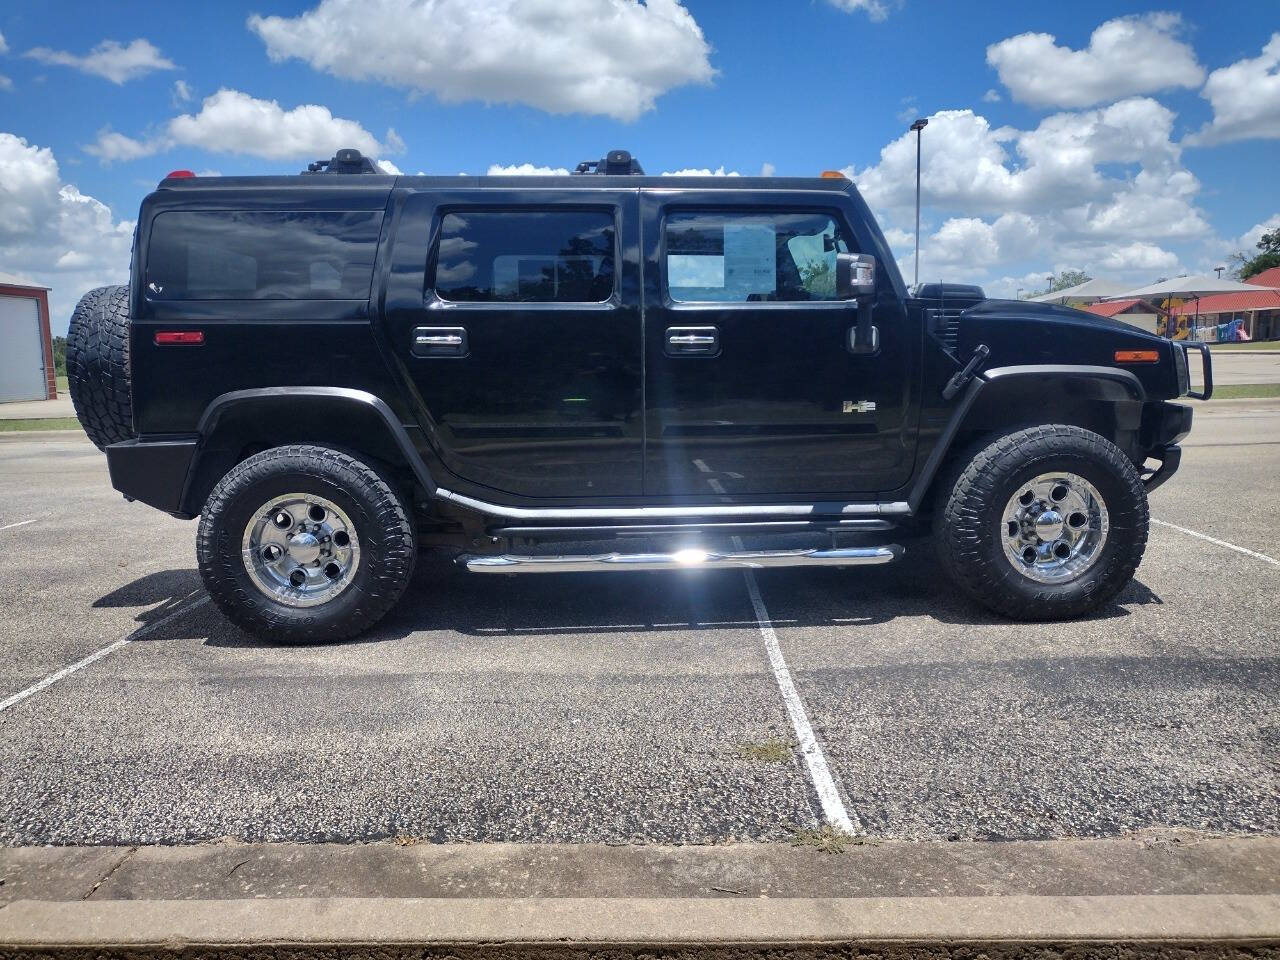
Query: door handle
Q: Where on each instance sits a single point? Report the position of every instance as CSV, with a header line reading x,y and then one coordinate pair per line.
x,y
439,342
692,341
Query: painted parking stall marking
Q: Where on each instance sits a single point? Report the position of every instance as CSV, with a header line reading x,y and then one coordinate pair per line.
x,y
97,655
833,808
20,523
1221,543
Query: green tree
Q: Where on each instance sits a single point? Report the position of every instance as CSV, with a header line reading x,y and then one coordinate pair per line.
x,y
1244,266
60,356
1063,280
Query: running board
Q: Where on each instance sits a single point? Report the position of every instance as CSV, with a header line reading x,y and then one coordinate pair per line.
x,y
691,559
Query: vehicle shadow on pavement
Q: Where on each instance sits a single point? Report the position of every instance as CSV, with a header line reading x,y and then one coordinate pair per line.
x,y
487,606
444,598
162,593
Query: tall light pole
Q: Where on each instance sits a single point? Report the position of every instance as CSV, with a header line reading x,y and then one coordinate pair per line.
x,y
918,126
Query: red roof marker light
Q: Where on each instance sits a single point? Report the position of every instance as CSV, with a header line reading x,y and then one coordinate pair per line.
x,y
179,175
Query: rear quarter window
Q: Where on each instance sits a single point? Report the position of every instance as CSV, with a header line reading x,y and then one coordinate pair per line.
x,y
262,255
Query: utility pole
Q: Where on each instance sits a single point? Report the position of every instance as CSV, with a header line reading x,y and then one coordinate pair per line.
x,y
918,126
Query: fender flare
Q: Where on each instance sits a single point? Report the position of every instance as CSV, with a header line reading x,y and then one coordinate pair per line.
x,y
1118,385
237,400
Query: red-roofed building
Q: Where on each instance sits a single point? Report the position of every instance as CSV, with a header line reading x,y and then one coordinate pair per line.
x,y
1258,312
1267,278
1137,312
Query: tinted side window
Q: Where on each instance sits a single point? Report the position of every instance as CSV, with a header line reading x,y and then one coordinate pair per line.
x,y
748,257
262,255
526,256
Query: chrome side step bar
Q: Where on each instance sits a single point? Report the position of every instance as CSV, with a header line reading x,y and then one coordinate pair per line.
x,y
690,559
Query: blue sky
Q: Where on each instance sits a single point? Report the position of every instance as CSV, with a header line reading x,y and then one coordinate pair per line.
x,y
1046,155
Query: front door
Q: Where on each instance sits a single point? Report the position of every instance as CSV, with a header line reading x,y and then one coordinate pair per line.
x,y
524,348
753,388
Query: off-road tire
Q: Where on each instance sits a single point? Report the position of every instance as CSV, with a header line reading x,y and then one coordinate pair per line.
x,y
98,365
967,525
383,526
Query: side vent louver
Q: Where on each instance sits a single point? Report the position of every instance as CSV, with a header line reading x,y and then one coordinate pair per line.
x,y
945,324
943,303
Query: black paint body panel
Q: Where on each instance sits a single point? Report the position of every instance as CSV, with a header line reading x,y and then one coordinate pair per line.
x,y
566,406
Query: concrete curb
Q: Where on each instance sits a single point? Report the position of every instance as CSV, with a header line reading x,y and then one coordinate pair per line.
x,y
1235,919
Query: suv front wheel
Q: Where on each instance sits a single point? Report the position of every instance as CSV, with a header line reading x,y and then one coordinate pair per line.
x,y
304,544
1046,523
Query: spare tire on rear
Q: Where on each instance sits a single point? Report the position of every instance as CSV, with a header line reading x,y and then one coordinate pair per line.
x,y
98,365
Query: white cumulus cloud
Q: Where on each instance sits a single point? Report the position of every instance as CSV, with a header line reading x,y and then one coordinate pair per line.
x,y
607,57
702,172
1129,257
1245,98
1104,189
875,9
1125,56
52,233
231,121
525,170
110,59
1248,241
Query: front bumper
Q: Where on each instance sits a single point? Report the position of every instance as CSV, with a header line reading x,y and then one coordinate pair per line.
x,y
1164,426
152,471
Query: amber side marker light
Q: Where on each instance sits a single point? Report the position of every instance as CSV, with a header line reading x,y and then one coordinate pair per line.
x,y
1137,356
192,338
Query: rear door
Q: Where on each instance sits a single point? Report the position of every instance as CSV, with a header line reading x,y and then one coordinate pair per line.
x,y
521,341
752,389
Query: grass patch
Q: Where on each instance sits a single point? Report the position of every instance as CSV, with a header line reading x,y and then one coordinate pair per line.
x,y
771,751
64,388
43,423
825,839
1251,345
1245,391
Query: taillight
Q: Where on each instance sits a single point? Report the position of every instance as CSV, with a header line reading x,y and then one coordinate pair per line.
x,y
1137,356
191,338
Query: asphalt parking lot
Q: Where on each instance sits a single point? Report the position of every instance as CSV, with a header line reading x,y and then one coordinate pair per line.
x,y
637,708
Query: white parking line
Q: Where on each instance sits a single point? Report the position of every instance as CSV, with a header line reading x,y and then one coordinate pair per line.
x,y
1221,543
819,773
94,657
20,523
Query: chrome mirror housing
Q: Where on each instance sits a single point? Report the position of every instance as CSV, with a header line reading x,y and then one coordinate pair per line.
x,y
855,275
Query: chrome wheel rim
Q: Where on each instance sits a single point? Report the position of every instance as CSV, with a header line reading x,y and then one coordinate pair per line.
x,y
1054,527
301,550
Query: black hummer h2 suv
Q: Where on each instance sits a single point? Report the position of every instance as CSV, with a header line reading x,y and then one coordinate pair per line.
x,y
335,369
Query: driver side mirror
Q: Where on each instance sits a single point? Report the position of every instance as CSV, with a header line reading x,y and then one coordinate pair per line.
x,y
855,275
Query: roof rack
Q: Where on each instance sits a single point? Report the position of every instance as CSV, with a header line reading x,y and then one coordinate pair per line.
x,y
613,163
344,161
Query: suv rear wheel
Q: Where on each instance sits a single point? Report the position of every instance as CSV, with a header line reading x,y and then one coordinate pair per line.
x,y
1046,523
304,544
